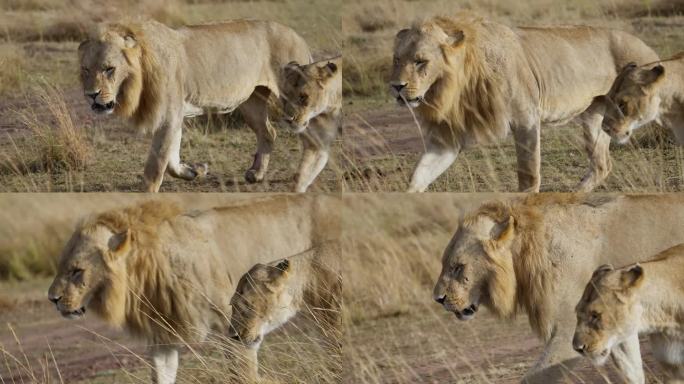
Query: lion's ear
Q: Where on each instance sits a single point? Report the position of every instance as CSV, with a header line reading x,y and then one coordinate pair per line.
x,y
130,41
402,34
120,243
502,235
83,44
455,39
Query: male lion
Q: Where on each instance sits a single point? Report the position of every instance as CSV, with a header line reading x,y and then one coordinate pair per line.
x,y
472,80
155,76
163,274
618,305
269,295
312,99
642,94
536,254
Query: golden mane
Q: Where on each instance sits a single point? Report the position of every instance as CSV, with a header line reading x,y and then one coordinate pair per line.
x,y
142,297
534,275
467,101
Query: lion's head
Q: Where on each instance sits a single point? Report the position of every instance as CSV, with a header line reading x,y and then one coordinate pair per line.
x,y
421,56
308,91
477,268
261,303
607,314
88,270
632,101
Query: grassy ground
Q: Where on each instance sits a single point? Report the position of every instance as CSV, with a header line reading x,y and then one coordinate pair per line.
x,y
651,163
38,41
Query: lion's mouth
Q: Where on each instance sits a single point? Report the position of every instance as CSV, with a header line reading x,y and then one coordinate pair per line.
x,y
467,313
413,103
103,108
74,314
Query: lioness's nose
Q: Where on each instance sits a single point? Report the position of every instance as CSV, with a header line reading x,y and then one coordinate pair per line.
x,y
578,346
93,95
440,299
398,87
54,299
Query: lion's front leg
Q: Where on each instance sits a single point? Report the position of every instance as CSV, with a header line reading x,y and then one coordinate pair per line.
x,y
528,154
597,145
165,361
557,359
437,158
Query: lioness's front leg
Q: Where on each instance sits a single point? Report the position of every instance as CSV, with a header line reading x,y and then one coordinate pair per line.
x,y
597,145
316,147
165,361
627,358
255,113
437,158
528,154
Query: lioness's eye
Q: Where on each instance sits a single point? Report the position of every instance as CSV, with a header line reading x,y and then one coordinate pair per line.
x,y
303,99
395,61
623,107
594,317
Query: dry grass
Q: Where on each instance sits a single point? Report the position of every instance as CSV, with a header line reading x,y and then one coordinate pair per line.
x,y
56,142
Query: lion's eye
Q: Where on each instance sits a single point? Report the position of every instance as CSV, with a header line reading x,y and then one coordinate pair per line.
x,y
109,71
76,273
395,61
457,269
85,70
421,63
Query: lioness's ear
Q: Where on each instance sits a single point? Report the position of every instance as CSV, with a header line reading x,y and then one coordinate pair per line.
x,y
327,70
600,271
652,76
283,265
632,277
120,243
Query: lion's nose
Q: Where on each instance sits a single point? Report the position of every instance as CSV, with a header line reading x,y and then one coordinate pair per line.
x,y
54,299
93,95
440,299
399,87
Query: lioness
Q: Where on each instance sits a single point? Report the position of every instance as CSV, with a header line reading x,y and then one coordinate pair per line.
x,y
155,76
642,94
619,304
472,80
312,99
162,274
269,295
536,254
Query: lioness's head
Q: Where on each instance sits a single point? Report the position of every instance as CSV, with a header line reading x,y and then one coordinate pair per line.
x,y
88,266
421,56
632,101
307,91
111,70
477,268
261,303
607,314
